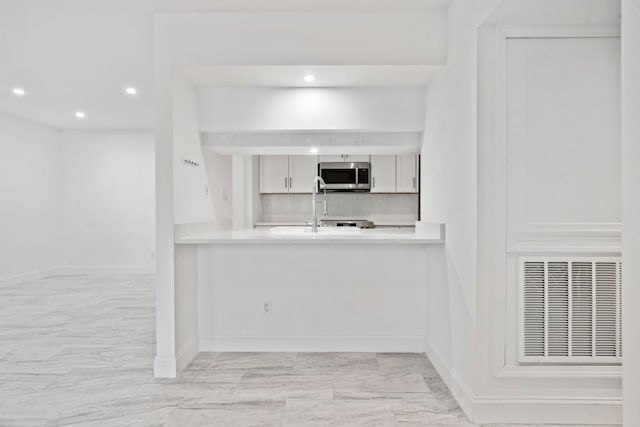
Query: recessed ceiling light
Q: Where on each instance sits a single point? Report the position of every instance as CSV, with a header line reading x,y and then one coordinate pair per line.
x,y
80,114
313,150
18,91
309,78
131,91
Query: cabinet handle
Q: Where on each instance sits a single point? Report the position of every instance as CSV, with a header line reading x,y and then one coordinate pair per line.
x,y
414,182
373,182
290,182
285,182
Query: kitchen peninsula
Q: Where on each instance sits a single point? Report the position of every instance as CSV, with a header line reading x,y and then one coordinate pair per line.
x,y
290,289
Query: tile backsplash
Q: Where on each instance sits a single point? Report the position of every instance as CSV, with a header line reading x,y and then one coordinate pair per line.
x,y
400,209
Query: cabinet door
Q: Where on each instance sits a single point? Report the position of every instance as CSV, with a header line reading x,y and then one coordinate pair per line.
x,y
331,158
274,174
357,158
383,174
302,170
407,173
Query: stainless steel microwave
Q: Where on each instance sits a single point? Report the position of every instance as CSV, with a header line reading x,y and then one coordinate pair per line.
x,y
346,176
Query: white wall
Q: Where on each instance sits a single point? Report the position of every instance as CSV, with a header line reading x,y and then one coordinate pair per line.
x,y
186,336
563,132
382,309
219,174
75,199
552,12
631,206
458,165
448,195
107,197
192,203
282,38
259,109
29,197
547,121
559,162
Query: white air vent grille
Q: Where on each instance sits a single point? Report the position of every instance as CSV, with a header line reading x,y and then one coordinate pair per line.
x,y
570,310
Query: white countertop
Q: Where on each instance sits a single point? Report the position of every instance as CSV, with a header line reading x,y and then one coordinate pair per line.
x,y
302,235
302,224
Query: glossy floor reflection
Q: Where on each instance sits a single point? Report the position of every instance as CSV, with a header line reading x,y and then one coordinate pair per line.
x,y
78,350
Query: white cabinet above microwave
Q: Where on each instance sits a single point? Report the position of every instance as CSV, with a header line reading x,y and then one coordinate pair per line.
x,y
344,158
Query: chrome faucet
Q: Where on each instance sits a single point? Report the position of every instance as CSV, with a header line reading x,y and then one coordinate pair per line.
x,y
318,183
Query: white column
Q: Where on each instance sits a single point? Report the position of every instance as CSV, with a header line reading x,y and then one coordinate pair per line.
x,y
164,365
631,208
238,192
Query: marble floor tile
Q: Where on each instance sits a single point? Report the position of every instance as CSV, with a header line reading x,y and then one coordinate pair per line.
x,y
335,361
77,350
305,412
381,395
283,393
246,361
404,362
380,381
425,414
258,413
218,377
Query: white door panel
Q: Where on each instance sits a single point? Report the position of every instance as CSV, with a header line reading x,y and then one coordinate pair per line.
x,y
383,174
302,170
274,174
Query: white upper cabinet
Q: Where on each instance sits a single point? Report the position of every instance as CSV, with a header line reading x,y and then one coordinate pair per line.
x,y
407,173
331,158
287,174
274,174
357,158
302,170
344,158
295,174
383,174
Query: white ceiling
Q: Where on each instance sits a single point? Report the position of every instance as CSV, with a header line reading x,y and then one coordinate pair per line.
x,y
80,55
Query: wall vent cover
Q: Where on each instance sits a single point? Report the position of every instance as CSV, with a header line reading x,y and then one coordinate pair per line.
x,y
570,310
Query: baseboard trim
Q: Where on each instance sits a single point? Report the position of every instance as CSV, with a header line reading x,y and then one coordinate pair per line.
x,y
387,344
164,367
25,277
186,355
543,410
526,409
459,389
106,269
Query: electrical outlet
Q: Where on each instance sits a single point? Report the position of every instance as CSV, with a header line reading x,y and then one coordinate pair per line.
x,y
267,307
